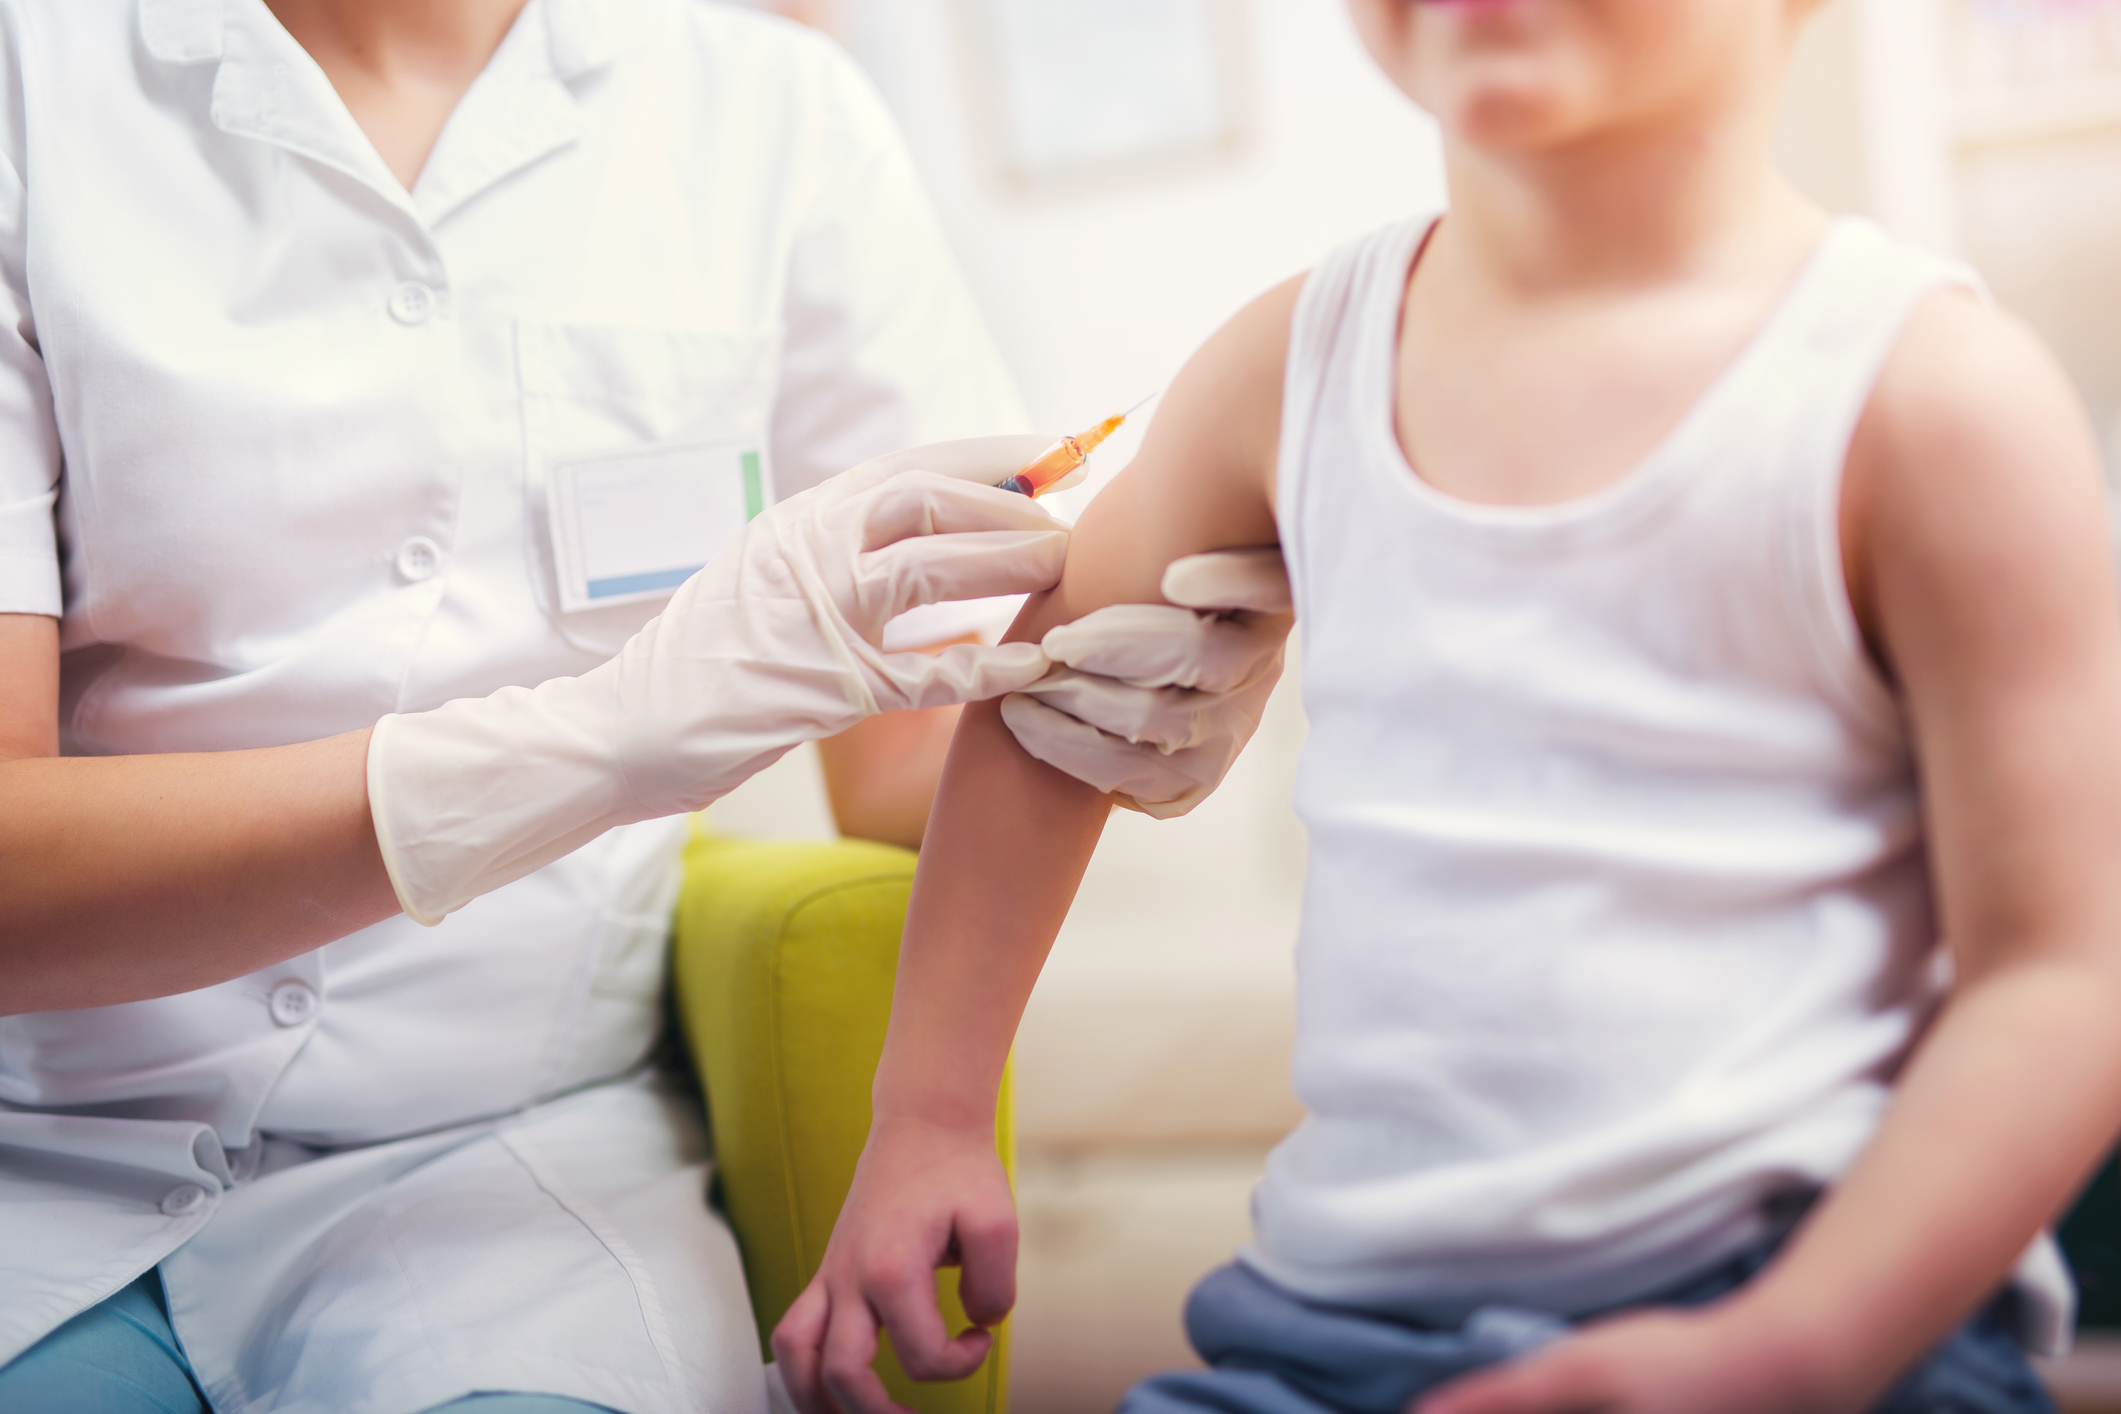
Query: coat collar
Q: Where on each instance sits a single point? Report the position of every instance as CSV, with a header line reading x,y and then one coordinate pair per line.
x,y
268,88
580,35
182,31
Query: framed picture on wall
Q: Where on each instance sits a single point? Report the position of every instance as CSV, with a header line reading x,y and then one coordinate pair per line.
x,y
1068,92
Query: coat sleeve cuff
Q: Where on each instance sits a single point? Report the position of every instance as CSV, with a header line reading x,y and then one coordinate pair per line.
x,y
29,584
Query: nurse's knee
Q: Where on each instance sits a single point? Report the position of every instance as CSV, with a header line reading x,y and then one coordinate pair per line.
x,y
519,1404
117,1357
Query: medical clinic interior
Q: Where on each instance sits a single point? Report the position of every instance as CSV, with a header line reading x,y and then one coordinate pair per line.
x,y
1151,1069
446,448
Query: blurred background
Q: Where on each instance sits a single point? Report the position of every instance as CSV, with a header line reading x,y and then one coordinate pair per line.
x,y
1118,177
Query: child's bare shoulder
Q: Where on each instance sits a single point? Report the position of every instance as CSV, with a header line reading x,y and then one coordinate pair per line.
x,y
1226,402
1973,430
1974,513
1964,384
1204,478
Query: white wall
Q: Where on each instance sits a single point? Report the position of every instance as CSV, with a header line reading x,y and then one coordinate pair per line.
x,y
1879,121
1166,1013
1097,296
1175,964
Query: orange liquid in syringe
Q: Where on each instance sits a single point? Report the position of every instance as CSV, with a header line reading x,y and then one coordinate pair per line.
x,y
1061,458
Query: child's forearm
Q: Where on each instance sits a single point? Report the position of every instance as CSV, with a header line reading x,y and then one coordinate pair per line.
x,y
1008,845
1010,837
2001,1112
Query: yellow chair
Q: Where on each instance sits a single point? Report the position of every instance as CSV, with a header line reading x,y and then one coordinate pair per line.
x,y
783,967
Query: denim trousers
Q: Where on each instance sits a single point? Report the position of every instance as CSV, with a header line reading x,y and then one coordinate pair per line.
x,y
1270,1351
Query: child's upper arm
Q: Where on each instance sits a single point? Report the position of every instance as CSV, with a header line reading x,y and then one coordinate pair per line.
x,y
1203,480
1981,566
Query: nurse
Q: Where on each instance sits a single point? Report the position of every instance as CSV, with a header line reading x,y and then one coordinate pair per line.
x,y
367,369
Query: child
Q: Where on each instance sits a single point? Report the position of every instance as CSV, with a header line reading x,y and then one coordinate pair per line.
x,y
1710,632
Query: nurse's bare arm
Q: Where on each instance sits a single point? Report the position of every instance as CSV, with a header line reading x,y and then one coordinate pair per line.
x,y
123,877
881,774
1006,849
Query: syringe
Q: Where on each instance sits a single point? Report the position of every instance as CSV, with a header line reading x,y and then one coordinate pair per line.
x,y
1059,462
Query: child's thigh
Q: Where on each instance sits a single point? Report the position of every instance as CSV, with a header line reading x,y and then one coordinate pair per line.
x,y
1272,1353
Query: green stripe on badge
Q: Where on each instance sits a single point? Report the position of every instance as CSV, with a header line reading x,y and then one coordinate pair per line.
x,y
754,489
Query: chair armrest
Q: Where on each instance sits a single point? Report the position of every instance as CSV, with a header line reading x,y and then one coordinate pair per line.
x,y
783,964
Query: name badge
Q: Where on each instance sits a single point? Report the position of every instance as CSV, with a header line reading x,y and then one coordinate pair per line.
x,y
633,526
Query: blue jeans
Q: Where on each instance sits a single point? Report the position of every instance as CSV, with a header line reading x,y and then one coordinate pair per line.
x,y
1271,1352
121,1357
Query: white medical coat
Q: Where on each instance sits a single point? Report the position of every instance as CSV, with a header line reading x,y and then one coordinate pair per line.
x,y
274,439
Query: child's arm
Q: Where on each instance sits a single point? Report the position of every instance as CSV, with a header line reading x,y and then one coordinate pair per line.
x,y
1005,850
1975,534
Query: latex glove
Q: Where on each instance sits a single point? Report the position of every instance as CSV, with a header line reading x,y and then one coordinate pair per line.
x,y
772,644
1153,702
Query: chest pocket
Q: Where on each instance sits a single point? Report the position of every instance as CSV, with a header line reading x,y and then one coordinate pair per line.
x,y
591,390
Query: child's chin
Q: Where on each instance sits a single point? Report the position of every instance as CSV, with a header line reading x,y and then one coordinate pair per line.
x,y
1511,118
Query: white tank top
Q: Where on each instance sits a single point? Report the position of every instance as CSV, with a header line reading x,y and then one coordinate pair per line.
x,y
1617,920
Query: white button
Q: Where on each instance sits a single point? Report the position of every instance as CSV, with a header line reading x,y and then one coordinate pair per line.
x,y
419,558
184,1198
411,303
293,1003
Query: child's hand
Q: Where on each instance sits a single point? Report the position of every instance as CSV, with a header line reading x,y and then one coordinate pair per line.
x,y
925,1195
1719,1358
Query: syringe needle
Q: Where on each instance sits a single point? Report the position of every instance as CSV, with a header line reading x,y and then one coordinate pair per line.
x,y
1060,461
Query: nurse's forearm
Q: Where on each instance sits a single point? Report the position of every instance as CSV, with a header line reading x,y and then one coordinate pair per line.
x,y
880,774
124,877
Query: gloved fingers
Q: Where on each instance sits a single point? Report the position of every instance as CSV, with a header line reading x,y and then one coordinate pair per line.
x,y
986,460
1148,645
976,564
1156,645
1183,802
1142,778
1165,719
963,672
1253,580
926,503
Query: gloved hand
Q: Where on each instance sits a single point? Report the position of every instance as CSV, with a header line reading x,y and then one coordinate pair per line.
x,y
1154,702
772,644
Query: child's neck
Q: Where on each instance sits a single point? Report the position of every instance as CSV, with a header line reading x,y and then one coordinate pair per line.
x,y
1574,305
1618,210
